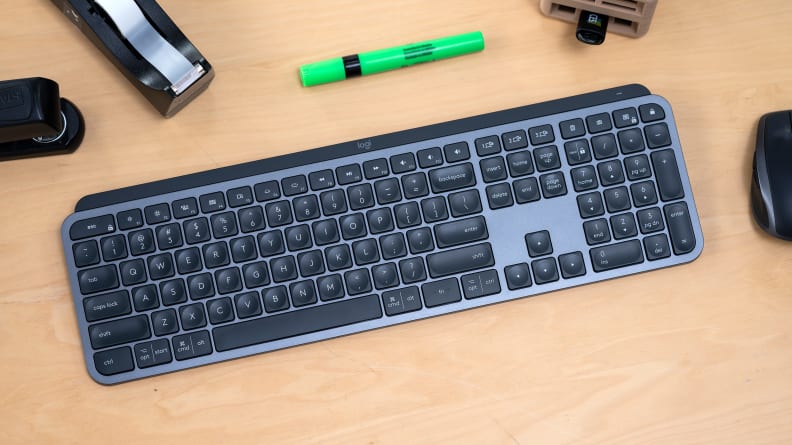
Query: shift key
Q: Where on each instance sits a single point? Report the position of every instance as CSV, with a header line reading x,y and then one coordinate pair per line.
x,y
117,332
460,260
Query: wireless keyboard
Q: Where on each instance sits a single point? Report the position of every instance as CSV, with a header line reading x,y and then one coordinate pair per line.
x,y
342,239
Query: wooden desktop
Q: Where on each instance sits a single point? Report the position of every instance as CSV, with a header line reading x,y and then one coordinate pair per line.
x,y
700,353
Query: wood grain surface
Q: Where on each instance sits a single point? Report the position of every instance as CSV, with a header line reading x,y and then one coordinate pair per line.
x,y
696,354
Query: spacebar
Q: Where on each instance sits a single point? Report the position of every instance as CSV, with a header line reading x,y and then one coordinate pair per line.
x,y
291,324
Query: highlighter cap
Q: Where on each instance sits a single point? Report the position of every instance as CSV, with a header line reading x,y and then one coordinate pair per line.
x,y
326,71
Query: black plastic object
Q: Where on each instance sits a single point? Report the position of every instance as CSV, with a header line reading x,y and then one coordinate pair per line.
x,y
771,190
592,27
100,29
35,121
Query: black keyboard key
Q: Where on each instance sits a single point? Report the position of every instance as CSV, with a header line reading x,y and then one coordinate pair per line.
x,y
365,251
295,323
275,299
493,169
623,226
352,226
168,236
461,232
385,276
141,242
489,145
520,163
596,231
401,301
456,152
572,265
526,190
192,316
412,270
216,255
464,203
543,134
278,213
129,219
195,231
402,163
499,196
376,168
145,298
161,266
196,344
680,228
330,287
248,304
415,185
657,247
515,140
294,185
572,128
173,292
667,173
361,196
545,270
153,353
255,275
164,322
616,255
321,180
271,243
450,178
441,292
637,167
631,141
228,280
266,191
617,199
349,174
463,259
380,220
387,191
480,284
109,305
434,209
657,135
283,269
644,194
240,196
201,286
584,178
98,279
86,253
420,240
310,263
599,122
132,272
243,249
604,146
183,208
518,276
325,232
212,202
393,246
430,157
333,202
650,220
610,172
117,332
114,361
651,112
114,247
553,185
590,205
92,227
303,293
539,243
547,158
407,215
625,117
577,152
298,237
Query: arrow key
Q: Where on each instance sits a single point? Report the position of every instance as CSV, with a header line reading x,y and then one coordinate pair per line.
x,y
518,276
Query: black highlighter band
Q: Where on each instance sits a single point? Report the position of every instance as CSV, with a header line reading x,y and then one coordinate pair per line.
x,y
352,65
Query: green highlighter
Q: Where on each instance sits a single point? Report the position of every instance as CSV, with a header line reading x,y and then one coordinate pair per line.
x,y
373,62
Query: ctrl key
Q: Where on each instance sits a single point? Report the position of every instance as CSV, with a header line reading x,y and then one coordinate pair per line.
x,y
114,361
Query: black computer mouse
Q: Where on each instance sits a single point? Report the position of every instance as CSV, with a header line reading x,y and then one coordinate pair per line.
x,y
771,192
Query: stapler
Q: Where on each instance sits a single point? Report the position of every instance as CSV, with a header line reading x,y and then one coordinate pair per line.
x,y
146,46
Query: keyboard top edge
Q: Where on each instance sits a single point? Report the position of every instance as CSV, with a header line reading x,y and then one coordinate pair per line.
x,y
364,145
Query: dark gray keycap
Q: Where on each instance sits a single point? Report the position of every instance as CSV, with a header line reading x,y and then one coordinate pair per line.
x,y
365,251
547,158
216,255
278,213
393,246
129,219
240,196
212,202
539,243
597,231
161,266
195,231
412,270
461,231
220,310
625,117
141,241
680,228
631,141
271,243
361,196
526,190
402,163
572,128
651,112
306,208
379,220
650,220
518,276
401,301
376,168
499,196
294,323
599,122
456,152
657,247
91,227
616,255
338,257
514,140
584,178
604,146
415,185
590,205
553,185
610,172
454,177
164,322
438,293
434,209
489,145
520,163
644,194
173,292
243,249
430,157
623,226
617,199
493,169
545,270
248,304
353,226
333,202
321,180
420,240
637,167
577,152
114,247
480,284
266,191
298,237
657,135
543,134
152,353
330,287
463,259
325,232
357,281
117,332
133,272
385,276
114,361
294,185
407,215
348,174
667,174
201,286
98,279
188,260
311,263
108,305
228,280
195,344
572,265
145,298
255,275
86,253
192,316
302,293
283,269
464,203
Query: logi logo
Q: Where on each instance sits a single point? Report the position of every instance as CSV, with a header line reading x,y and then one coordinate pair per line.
x,y
10,98
364,145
